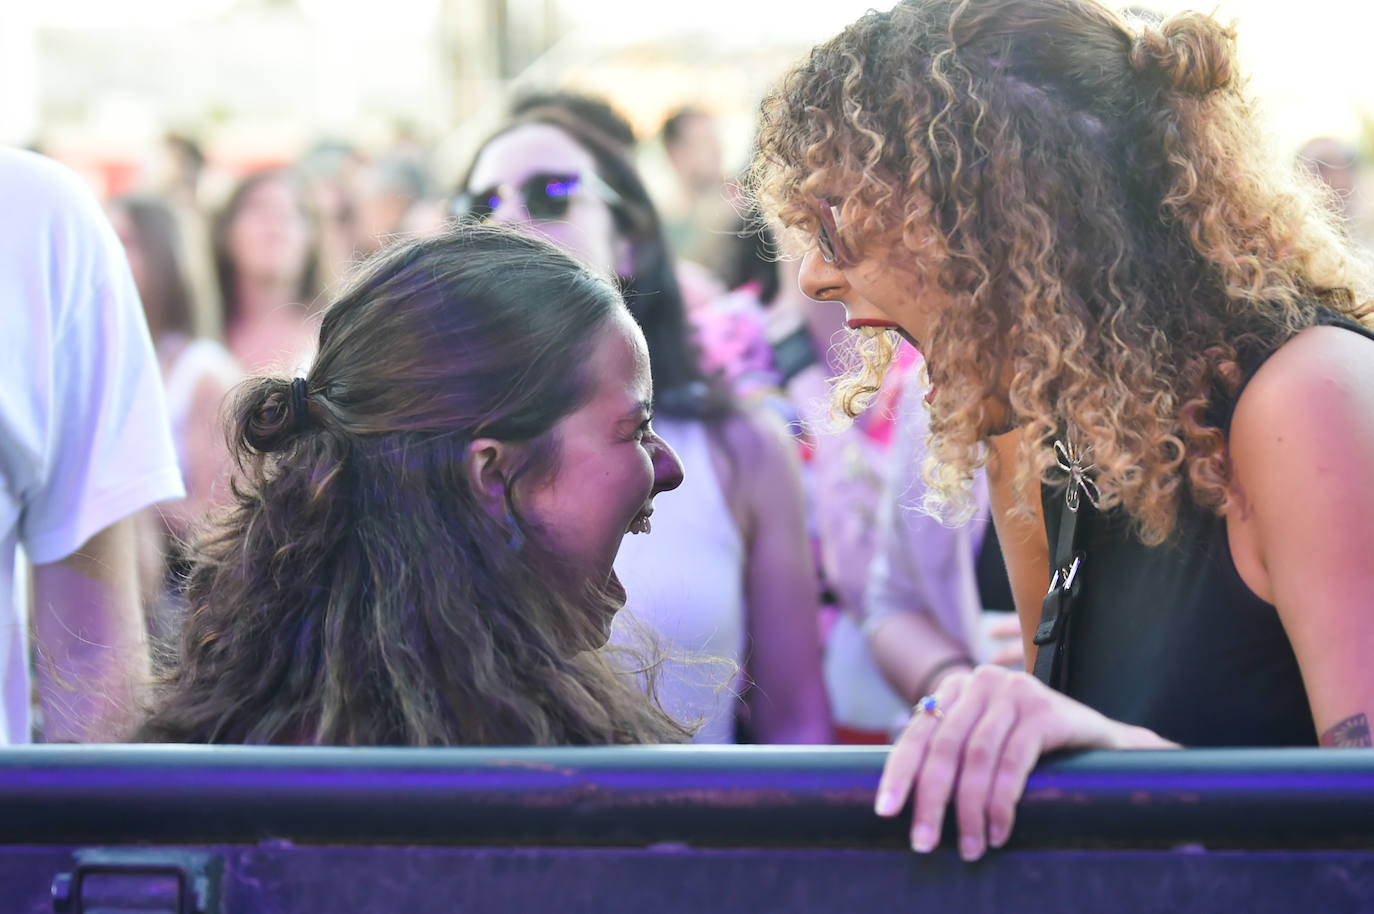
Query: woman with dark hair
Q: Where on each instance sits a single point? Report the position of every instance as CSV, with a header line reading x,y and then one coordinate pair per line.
x,y
1149,327
265,243
421,546
730,574
196,374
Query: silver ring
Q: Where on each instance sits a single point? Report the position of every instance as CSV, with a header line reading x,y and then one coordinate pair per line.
x,y
929,705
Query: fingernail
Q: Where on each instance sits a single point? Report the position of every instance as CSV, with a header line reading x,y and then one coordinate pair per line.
x,y
886,804
997,835
970,848
924,842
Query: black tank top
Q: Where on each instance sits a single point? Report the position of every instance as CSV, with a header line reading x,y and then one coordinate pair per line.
x,y
1169,637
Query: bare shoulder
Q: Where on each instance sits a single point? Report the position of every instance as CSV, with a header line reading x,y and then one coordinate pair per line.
x,y
1301,446
1301,449
1308,412
1323,373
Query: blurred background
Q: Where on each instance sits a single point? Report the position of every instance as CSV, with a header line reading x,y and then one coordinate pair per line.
x,y
251,151
262,82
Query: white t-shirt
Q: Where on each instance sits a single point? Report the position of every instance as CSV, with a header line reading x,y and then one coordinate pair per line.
x,y
685,580
197,360
84,435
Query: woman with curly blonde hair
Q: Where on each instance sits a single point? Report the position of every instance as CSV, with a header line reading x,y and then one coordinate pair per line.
x,y
1127,305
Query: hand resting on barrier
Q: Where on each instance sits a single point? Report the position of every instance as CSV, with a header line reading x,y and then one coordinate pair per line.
x,y
977,742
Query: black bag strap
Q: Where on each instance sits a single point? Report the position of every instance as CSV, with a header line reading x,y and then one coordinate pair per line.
x,y
1052,634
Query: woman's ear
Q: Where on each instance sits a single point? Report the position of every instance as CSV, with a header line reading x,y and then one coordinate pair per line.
x,y
488,467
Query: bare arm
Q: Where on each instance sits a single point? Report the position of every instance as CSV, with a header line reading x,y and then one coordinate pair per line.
x,y
1302,528
1024,544
914,653
91,651
920,604
788,700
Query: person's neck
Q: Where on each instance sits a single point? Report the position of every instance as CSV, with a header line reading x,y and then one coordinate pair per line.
x,y
260,297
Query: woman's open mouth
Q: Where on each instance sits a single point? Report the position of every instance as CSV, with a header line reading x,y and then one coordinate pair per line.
x,y
875,326
870,326
640,524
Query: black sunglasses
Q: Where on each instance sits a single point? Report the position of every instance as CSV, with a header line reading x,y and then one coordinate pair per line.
x,y
544,195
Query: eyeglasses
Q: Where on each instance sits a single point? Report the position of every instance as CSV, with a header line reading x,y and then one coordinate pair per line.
x,y
544,195
831,245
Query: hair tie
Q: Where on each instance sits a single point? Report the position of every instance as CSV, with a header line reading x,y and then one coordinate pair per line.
x,y
299,406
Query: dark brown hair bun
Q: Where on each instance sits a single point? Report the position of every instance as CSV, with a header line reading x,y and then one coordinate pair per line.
x,y
266,415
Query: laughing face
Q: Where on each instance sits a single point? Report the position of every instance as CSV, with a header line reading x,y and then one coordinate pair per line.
x,y
887,288
610,462
884,289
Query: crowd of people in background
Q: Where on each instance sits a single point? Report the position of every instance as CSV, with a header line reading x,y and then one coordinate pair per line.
x,y
753,585
789,590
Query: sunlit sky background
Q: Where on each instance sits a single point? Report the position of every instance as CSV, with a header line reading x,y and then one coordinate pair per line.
x,y
1306,57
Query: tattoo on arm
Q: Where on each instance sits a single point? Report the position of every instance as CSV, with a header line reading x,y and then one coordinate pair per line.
x,y
1353,731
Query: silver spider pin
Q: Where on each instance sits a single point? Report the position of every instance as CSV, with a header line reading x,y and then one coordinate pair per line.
x,y
1073,460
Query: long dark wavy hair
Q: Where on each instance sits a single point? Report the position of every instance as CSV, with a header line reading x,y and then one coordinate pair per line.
x,y
166,293
1098,202
360,591
650,287
226,273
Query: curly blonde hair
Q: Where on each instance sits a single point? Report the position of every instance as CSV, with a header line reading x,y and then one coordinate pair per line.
x,y
1100,206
